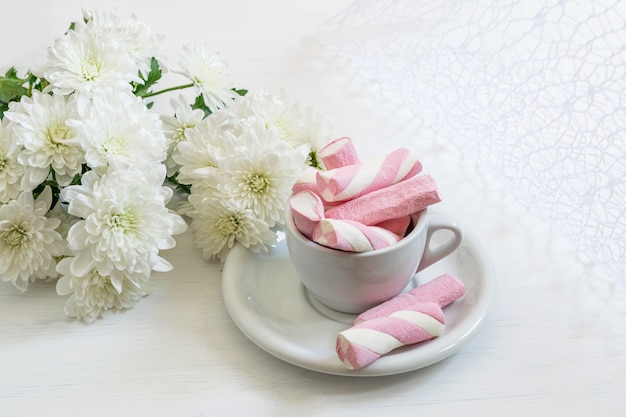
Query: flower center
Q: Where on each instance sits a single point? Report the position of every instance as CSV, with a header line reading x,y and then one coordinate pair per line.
x,y
258,183
206,78
124,222
99,281
90,69
230,225
57,133
16,236
3,164
113,145
179,136
284,131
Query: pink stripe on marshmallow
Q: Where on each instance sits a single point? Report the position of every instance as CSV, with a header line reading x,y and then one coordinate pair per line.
x,y
365,342
307,181
398,225
352,236
338,153
307,210
351,181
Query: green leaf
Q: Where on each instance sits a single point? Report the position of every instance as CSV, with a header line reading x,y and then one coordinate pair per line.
x,y
199,104
155,71
174,180
12,73
3,107
11,89
242,92
153,77
38,83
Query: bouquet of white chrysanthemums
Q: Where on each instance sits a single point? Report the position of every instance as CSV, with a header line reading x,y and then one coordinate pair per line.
x,y
88,170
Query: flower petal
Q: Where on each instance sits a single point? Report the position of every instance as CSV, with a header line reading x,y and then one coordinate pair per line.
x,y
82,264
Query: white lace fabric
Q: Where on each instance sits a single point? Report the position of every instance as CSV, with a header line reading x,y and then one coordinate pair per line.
x,y
535,89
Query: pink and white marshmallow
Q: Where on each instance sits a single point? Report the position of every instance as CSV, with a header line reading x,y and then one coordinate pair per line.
x,y
399,225
307,209
351,181
401,199
352,236
442,290
338,153
366,342
307,181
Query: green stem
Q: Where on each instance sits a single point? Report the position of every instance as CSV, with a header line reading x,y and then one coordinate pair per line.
x,y
167,90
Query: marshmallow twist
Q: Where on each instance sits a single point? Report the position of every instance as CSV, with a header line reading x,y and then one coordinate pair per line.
x,y
399,225
307,210
366,342
338,153
397,200
442,290
307,181
351,181
352,236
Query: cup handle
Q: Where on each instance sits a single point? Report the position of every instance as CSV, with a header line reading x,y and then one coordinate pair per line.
x,y
435,223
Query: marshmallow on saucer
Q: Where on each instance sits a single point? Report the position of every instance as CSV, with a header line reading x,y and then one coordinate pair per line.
x,y
442,290
365,342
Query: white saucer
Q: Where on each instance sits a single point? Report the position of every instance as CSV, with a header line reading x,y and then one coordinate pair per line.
x,y
272,308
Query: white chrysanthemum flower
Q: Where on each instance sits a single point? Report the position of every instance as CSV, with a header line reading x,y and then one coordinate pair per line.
x,y
134,36
125,222
29,241
295,124
275,111
257,170
14,176
84,61
208,74
175,128
92,295
118,127
217,224
199,155
39,125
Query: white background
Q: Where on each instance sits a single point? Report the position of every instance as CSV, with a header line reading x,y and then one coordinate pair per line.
x,y
554,342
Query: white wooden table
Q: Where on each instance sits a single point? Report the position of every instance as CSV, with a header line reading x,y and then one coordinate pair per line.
x,y
554,342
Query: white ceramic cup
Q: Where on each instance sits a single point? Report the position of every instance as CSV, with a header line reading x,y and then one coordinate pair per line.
x,y
352,282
